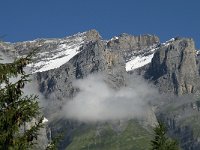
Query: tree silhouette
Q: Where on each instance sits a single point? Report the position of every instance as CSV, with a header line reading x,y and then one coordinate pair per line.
x,y
17,110
161,141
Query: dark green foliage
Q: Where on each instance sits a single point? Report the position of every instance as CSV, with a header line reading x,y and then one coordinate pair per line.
x,y
161,141
17,110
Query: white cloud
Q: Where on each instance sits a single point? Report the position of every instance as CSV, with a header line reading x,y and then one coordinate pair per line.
x,y
96,101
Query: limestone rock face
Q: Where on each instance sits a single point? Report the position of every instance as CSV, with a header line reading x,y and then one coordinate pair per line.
x,y
132,45
93,58
174,67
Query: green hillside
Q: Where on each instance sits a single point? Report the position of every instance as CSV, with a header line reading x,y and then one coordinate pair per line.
x,y
134,136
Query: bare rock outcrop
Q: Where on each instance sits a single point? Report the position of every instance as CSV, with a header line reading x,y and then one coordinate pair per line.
x,y
174,67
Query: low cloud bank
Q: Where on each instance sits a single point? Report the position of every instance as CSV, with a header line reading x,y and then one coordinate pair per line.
x,y
96,101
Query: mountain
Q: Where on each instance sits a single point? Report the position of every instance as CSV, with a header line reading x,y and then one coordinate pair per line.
x,y
172,68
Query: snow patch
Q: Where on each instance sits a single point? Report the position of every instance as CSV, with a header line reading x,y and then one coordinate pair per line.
x,y
138,62
45,120
114,38
54,58
168,42
144,59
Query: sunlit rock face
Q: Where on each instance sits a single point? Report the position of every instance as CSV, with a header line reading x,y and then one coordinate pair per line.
x,y
174,67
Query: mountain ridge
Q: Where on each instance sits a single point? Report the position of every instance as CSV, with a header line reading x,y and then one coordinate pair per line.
x,y
87,53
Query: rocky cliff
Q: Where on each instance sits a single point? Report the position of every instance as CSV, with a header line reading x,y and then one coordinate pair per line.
x,y
173,66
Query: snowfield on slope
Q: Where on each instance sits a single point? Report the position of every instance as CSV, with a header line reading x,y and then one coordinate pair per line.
x,y
55,58
144,59
69,47
138,62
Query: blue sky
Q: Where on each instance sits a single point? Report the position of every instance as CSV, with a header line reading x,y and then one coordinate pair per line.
x,y
29,19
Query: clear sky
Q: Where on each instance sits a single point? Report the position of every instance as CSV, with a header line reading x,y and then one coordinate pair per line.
x,y
29,19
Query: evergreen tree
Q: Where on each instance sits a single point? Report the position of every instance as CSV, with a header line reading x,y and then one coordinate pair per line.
x,y
161,141
16,109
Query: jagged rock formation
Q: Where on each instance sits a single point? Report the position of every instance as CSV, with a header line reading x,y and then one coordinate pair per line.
x,y
131,45
137,51
174,68
94,57
58,62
